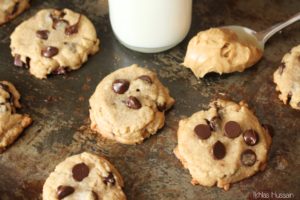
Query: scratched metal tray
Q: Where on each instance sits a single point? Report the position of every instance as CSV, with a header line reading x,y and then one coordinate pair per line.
x,y
59,108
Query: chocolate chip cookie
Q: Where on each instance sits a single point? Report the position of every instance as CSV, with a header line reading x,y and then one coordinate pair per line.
x,y
84,176
11,123
220,50
9,9
53,42
129,105
222,145
287,78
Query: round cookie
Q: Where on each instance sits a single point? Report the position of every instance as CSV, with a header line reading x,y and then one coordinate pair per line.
x,y
287,78
84,176
53,42
11,123
220,50
222,145
129,104
9,9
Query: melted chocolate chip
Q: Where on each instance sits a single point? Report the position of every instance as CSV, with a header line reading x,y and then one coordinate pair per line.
x,y
42,34
146,78
248,158
161,107
27,63
15,9
73,29
202,131
250,137
219,150
70,30
133,103
80,171
120,86
213,123
49,52
109,179
17,61
95,196
289,98
64,191
59,71
232,129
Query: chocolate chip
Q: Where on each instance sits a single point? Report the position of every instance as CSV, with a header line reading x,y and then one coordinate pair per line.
x,y
42,34
59,71
281,68
232,129
202,131
213,123
298,104
63,191
95,196
73,29
250,137
289,98
133,103
49,52
17,61
120,86
27,63
15,9
248,158
161,107
80,171
219,150
146,79
109,179
70,30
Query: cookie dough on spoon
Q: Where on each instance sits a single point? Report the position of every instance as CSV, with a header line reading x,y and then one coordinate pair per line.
x,y
229,48
220,50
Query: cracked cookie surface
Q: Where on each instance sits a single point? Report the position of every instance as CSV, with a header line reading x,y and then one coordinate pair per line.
x,y
9,9
12,124
129,105
84,176
222,145
287,78
53,42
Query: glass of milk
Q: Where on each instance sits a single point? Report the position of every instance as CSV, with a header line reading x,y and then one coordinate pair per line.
x,y
150,25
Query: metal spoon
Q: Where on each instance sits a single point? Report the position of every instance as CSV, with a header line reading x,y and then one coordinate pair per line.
x,y
260,38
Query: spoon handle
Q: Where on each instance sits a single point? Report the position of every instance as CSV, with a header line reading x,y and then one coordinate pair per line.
x,y
263,36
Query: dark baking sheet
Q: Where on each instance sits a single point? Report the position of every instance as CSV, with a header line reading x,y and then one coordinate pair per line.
x,y
59,107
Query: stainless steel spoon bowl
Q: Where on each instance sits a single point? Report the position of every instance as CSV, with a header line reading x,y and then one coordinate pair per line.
x,y
260,38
